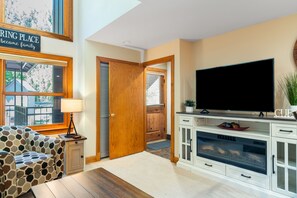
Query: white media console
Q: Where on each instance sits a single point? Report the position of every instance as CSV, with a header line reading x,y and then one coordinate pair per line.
x,y
264,156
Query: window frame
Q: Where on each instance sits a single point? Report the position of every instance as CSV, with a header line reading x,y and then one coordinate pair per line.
x,y
67,20
67,87
163,94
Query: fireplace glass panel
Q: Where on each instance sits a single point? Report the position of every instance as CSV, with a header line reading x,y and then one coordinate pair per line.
x,y
280,153
183,135
184,151
281,178
188,136
242,152
292,180
188,152
292,155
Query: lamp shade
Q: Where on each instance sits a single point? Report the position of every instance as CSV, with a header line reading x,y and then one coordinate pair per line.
x,y
70,105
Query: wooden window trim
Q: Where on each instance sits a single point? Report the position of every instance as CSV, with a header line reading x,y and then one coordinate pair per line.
x,y
49,129
68,23
163,95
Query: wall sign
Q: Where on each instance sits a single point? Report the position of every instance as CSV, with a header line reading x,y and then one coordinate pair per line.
x,y
19,40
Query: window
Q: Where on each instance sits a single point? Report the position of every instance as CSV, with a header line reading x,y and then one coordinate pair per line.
x,y
154,89
45,17
32,91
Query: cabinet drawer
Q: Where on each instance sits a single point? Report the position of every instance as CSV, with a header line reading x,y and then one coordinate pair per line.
x,y
79,142
153,136
211,165
185,120
284,130
254,178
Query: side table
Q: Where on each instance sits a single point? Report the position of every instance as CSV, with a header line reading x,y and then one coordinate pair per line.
x,y
74,154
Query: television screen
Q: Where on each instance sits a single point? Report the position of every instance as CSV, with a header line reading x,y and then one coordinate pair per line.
x,y
241,87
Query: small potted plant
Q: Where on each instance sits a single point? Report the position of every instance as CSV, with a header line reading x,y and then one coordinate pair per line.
x,y
289,86
190,104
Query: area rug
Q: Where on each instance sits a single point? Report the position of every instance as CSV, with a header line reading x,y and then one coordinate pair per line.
x,y
159,145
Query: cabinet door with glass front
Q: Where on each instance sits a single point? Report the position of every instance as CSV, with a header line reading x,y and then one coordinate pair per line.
x,y
186,144
284,168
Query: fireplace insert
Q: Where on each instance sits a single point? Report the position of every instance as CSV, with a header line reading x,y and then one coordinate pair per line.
x,y
241,152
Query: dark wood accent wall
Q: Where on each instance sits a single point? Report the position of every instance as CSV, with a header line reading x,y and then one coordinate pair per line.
x,y
155,123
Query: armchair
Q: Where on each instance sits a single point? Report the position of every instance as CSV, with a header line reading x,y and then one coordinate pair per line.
x,y
27,158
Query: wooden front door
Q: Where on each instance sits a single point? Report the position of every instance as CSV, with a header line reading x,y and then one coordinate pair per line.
x,y
126,107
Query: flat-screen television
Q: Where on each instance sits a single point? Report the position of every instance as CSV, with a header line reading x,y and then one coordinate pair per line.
x,y
240,87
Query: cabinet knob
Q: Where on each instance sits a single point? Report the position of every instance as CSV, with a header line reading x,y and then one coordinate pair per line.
x,y
75,142
82,156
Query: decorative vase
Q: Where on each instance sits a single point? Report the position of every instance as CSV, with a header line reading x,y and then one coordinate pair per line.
x,y
189,109
294,110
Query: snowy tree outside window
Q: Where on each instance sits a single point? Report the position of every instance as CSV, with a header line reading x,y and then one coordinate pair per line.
x,y
46,84
44,15
153,92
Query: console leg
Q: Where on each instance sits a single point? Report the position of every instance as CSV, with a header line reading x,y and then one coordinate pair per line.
x,y
261,114
204,111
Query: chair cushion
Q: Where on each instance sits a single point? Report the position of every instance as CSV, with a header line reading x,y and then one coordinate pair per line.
x,y
12,140
30,162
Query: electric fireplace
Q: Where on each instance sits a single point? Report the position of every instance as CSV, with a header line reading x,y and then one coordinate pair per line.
x,y
241,152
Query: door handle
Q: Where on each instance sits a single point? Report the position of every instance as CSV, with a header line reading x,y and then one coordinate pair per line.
x,y
249,177
209,165
285,131
111,115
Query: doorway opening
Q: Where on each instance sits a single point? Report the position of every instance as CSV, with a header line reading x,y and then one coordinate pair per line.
x,y
159,107
124,139
104,110
119,128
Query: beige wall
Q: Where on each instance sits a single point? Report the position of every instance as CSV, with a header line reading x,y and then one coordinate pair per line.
x,y
273,39
187,73
168,49
183,72
91,51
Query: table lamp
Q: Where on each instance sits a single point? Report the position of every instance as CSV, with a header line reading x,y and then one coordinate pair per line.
x,y
71,105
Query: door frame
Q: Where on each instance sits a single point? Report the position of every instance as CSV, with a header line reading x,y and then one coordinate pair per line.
x,y
172,116
100,60
149,70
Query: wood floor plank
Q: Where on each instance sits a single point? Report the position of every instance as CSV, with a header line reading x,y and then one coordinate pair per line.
x,y
75,188
116,186
119,186
42,190
133,191
105,184
59,190
92,187
95,183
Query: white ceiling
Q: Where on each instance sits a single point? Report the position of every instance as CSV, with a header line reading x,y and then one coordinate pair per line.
x,y
154,22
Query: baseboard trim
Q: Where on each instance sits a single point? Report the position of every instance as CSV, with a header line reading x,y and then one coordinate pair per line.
x,y
175,160
92,159
168,136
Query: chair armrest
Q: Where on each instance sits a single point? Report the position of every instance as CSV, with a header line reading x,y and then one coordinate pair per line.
x,y
44,144
7,175
49,145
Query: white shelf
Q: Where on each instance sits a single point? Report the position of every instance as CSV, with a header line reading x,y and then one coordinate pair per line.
x,y
270,130
246,133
